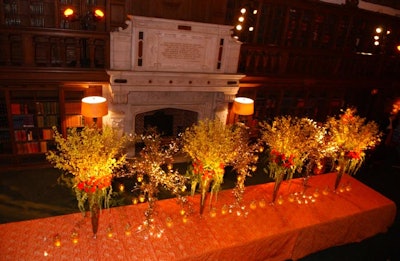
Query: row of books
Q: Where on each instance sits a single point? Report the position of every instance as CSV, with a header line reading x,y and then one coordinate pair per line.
x,y
19,108
27,135
39,108
47,108
73,107
32,147
28,121
74,121
47,121
23,121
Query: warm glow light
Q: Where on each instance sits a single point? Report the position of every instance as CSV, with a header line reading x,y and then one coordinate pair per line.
x,y
94,106
241,19
243,106
255,11
388,32
376,37
378,30
239,27
251,28
68,12
398,47
98,13
376,43
243,10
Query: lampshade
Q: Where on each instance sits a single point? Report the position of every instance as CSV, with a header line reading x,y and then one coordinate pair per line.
x,y
94,106
243,106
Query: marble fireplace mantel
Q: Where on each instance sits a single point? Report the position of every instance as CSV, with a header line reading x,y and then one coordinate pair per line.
x,y
159,63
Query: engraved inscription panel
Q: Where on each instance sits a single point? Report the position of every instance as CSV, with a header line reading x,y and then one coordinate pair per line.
x,y
182,51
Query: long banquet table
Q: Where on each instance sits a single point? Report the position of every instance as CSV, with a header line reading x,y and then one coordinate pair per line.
x,y
292,228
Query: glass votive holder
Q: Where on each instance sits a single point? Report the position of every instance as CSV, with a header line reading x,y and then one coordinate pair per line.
x,y
291,198
142,198
57,240
168,222
262,203
253,205
316,193
135,200
280,200
128,229
110,232
224,209
74,237
213,212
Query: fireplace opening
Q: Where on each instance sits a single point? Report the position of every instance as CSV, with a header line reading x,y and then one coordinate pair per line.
x,y
168,122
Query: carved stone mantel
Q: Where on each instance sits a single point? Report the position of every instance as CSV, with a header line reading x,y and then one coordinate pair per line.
x,y
159,63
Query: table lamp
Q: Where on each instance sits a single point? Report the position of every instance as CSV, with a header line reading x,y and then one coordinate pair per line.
x,y
94,107
243,106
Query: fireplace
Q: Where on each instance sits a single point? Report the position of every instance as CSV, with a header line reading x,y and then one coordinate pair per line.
x,y
169,122
169,74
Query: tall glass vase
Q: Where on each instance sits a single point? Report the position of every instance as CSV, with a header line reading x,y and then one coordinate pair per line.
x,y
205,186
94,217
340,172
278,182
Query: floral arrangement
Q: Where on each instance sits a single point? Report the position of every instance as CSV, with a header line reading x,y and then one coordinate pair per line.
x,y
292,143
150,174
350,135
212,145
245,163
89,157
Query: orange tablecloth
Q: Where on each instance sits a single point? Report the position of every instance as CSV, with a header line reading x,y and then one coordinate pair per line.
x,y
274,232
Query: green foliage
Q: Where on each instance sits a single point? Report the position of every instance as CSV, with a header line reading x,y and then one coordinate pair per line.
x,y
212,145
90,156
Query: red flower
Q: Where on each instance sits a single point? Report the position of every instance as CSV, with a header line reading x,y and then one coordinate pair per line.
x,y
354,155
282,160
221,165
80,185
347,117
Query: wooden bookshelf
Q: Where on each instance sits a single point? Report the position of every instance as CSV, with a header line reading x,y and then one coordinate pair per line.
x,y
29,113
33,112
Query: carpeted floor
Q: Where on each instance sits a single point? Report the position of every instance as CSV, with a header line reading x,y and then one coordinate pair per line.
x,y
30,193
